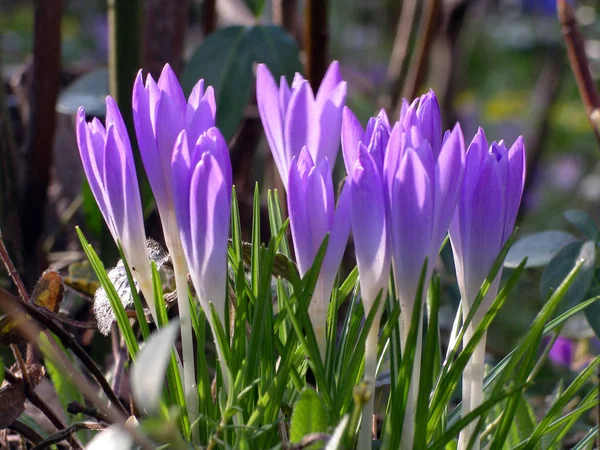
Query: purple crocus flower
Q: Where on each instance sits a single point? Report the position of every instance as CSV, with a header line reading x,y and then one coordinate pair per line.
x,y
423,175
296,118
202,192
363,156
108,164
484,219
313,214
160,112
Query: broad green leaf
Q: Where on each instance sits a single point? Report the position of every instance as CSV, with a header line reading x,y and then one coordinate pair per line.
x,y
583,222
225,60
561,265
148,373
538,248
89,91
309,416
114,436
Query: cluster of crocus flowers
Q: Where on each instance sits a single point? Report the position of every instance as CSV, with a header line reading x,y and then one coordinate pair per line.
x,y
188,167
407,184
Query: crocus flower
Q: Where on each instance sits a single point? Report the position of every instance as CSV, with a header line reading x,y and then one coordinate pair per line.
x,y
109,167
160,113
296,118
484,219
313,214
202,192
422,174
363,156
423,180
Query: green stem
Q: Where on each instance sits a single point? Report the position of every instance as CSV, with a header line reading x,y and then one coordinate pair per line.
x,y
365,436
187,340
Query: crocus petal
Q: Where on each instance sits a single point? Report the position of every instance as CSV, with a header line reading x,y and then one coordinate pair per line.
x,y
352,134
429,114
167,130
300,123
319,197
181,178
194,99
330,82
146,138
284,96
169,84
369,226
338,238
268,101
412,218
448,180
516,183
330,124
299,223
203,118
210,213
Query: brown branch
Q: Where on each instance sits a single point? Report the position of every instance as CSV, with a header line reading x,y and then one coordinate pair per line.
x,y
78,408
42,124
407,25
578,60
67,433
209,16
316,40
12,271
429,23
26,431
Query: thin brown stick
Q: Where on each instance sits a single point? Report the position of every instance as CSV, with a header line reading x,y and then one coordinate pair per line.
x,y
316,40
578,60
430,20
26,431
12,271
78,408
68,433
407,24
284,14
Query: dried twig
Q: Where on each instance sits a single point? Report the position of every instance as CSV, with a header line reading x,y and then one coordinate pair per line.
x,y
284,14
26,431
316,40
578,60
12,271
67,433
78,408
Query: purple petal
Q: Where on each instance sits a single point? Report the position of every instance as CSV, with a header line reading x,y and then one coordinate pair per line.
x,y
515,185
330,82
300,123
319,204
412,219
448,183
267,98
168,83
284,96
181,170
299,224
168,128
203,118
194,100
113,117
209,208
330,125
338,238
369,225
431,120
352,134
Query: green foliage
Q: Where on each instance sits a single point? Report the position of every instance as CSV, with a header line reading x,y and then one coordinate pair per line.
x,y
310,416
225,60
